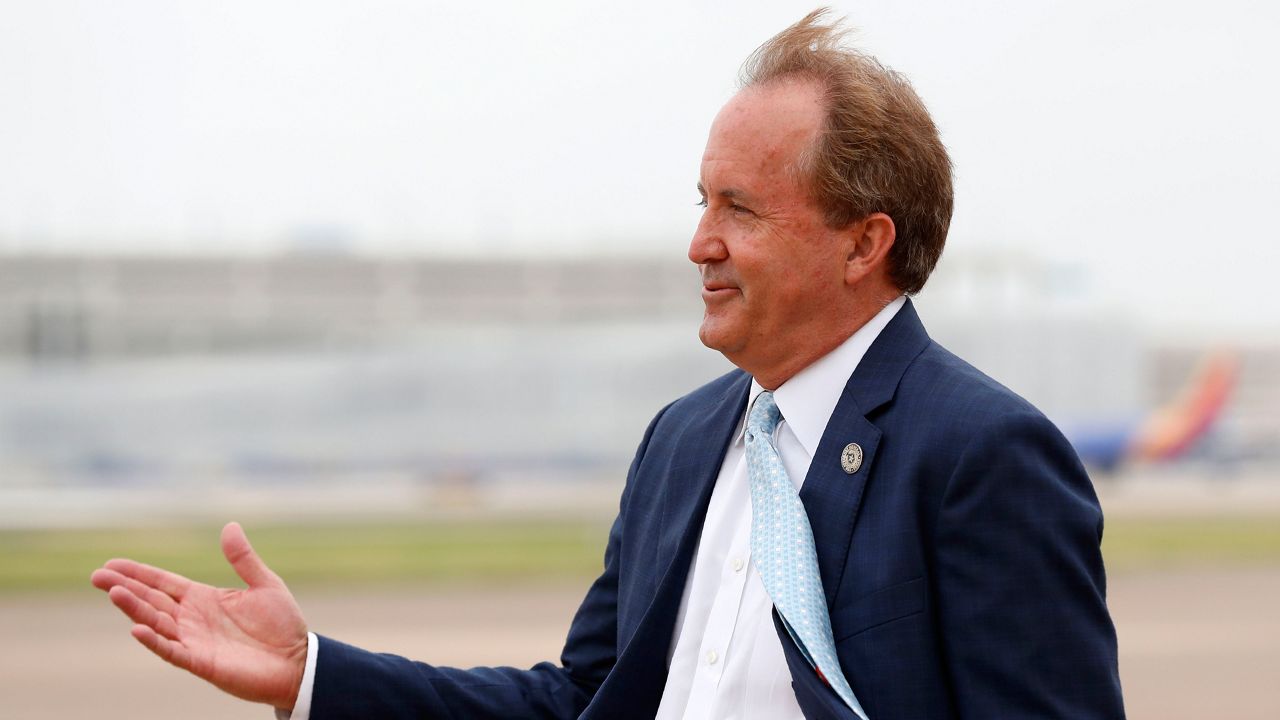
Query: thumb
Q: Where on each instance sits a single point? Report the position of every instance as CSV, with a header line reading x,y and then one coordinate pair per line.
x,y
246,563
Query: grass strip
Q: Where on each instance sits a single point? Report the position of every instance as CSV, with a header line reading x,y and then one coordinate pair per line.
x,y
310,555
494,553
1139,544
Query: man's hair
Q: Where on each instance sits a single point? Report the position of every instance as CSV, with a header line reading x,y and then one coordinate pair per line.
x,y
878,151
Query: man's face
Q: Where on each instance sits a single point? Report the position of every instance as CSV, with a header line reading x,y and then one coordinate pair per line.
x,y
771,268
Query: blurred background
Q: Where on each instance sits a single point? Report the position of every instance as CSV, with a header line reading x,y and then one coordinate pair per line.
x,y
399,285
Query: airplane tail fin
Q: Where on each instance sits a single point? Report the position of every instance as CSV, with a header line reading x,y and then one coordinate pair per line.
x,y
1173,429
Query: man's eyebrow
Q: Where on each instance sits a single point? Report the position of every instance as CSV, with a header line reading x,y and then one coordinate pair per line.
x,y
730,193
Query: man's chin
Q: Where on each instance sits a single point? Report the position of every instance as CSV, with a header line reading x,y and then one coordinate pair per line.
x,y
716,336
707,334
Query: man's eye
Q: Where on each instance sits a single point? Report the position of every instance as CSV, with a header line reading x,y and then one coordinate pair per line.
x,y
702,202
738,208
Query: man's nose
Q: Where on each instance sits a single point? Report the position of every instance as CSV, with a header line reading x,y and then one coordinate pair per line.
x,y
707,246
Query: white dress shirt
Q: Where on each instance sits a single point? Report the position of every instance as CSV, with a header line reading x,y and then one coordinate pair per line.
x,y
726,660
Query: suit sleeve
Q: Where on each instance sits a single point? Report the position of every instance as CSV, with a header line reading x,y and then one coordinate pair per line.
x,y
355,684
1021,590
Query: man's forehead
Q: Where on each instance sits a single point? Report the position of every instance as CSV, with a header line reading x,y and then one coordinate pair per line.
x,y
762,132
776,114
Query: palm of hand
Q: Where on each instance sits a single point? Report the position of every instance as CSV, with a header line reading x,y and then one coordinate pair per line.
x,y
245,642
251,643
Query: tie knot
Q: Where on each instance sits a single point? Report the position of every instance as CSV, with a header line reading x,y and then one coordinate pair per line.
x,y
764,416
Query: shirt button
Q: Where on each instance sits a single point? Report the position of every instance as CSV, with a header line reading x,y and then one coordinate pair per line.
x,y
738,564
712,657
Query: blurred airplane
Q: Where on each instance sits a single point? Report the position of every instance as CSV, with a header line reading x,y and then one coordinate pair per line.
x,y
1171,432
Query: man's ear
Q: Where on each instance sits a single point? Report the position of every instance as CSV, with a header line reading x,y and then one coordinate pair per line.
x,y
869,242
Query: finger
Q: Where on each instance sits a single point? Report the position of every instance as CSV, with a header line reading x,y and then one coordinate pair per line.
x,y
246,563
104,579
170,651
152,597
142,613
171,584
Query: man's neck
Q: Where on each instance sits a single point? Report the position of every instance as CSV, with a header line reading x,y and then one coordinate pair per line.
x,y
797,359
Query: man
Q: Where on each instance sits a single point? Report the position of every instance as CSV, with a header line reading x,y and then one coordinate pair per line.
x,y
940,560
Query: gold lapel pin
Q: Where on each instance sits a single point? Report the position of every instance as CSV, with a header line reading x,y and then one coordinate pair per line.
x,y
851,458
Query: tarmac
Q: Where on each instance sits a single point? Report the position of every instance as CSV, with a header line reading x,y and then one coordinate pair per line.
x,y
1193,644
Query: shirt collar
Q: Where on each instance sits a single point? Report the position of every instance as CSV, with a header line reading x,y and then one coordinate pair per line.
x,y
810,396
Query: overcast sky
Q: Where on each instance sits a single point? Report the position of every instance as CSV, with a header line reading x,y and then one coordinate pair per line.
x,y
1135,140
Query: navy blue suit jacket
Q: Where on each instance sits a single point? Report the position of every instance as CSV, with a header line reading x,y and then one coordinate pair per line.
x,y
961,565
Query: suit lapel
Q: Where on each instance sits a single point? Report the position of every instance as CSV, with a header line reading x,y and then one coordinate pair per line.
x,y
640,670
831,496
705,441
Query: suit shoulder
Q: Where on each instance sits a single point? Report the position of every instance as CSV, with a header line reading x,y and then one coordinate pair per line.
x,y
957,391
977,428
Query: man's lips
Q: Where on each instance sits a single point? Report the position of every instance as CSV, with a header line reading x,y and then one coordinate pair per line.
x,y
715,291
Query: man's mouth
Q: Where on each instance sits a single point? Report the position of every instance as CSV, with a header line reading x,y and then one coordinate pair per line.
x,y
714,290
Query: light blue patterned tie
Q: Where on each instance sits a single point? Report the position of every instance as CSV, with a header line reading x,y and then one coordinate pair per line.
x,y
782,546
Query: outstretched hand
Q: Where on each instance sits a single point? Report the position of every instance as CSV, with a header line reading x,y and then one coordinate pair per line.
x,y
251,643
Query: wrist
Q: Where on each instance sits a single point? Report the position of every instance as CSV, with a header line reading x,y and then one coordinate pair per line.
x,y
296,660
